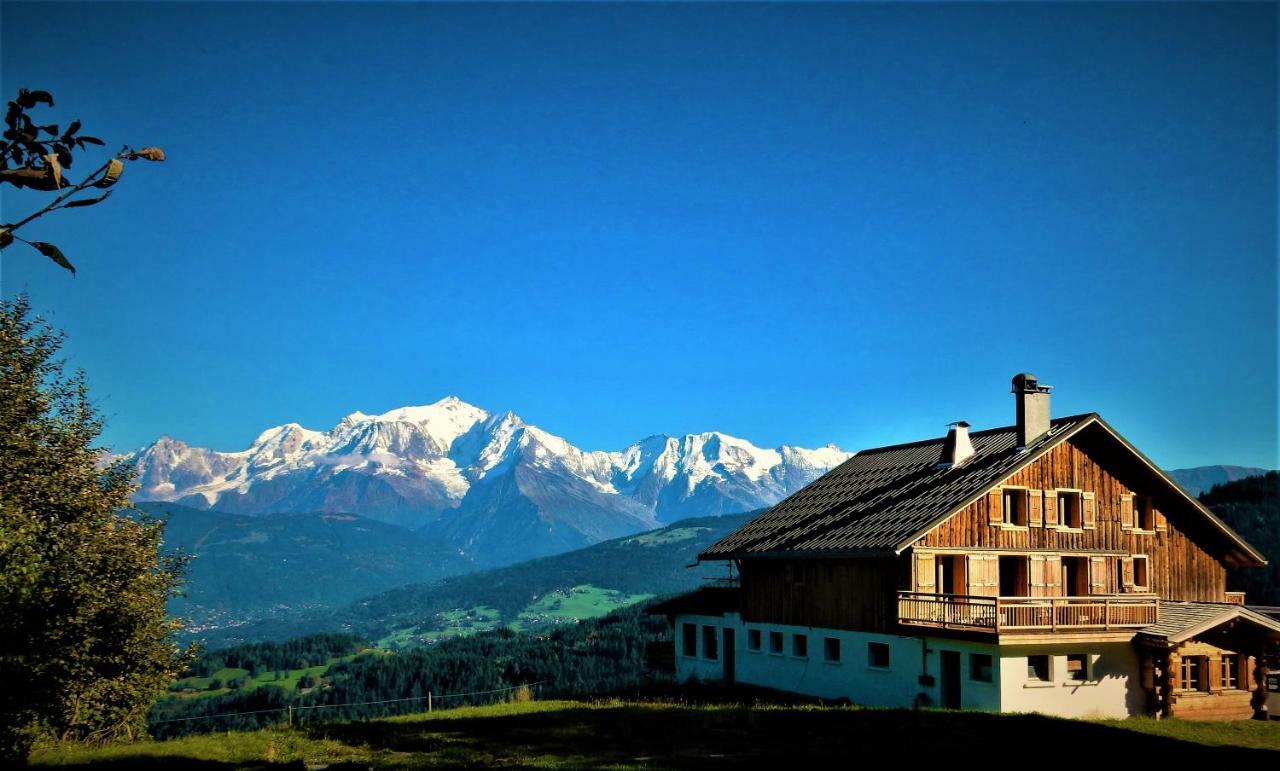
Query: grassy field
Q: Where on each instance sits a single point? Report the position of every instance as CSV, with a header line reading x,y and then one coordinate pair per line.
x,y
618,734
198,687
556,607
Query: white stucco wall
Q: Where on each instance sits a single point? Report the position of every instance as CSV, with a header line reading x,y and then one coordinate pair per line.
x,y
852,677
1113,687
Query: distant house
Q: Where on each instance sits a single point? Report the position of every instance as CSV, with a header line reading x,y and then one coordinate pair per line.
x,y
1046,566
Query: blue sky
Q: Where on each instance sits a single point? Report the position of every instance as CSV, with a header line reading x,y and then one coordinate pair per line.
x,y
800,224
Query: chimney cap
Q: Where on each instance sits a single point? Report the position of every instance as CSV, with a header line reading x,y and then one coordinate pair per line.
x,y
959,424
1025,382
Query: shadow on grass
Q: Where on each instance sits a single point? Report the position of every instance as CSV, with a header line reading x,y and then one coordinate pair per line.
x,y
665,736
720,737
144,763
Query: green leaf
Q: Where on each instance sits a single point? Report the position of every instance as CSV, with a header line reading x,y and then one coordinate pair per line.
x,y
87,201
54,253
89,140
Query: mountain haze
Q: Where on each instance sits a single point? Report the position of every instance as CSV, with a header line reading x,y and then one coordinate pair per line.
x,y
499,489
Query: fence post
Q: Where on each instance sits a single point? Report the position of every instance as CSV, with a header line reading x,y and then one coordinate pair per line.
x,y
428,701
290,708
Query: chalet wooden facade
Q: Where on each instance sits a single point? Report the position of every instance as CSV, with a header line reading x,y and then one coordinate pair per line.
x,y
1045,566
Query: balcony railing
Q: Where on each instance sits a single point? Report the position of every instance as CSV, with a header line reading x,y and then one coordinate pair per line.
x,y
1027,614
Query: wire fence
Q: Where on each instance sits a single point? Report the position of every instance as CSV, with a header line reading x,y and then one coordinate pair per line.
x,y
288,712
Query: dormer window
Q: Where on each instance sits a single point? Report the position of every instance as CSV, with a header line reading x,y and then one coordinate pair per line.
x,y
1069,509
1015,508
1143,513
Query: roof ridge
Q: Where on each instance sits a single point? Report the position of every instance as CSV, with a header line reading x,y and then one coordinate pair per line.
x,y
983,432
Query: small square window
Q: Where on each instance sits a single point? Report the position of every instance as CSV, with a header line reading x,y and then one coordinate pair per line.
x,y
1069,509
753,639
831,649
878,655
689,639
1193,674
1078,666
1143,514
775,642
800,646
1230,671
1038,668
1140,572
710,643
1015,507
980,667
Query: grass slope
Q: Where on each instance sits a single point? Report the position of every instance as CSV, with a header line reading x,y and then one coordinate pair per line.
x,y
618,734
631,568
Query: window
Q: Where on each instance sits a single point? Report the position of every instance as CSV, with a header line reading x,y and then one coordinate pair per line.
x,y
710,643
1069,509
1015,507
1140,571
878,655
753,639
775,642
831,649
980,666
689,640
1143,514
1078,666
1230,671
800,646
1038,668
1193,674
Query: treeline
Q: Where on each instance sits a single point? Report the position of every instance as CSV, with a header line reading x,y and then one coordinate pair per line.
x,y
594,657
1251,506
298,653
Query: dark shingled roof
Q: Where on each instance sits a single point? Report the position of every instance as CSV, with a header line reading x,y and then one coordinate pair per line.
x,y
880,500
1181,620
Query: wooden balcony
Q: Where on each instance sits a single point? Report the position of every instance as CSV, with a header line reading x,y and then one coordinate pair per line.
x,y
999,615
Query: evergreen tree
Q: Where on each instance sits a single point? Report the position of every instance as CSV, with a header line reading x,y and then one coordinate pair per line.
x,y
87,645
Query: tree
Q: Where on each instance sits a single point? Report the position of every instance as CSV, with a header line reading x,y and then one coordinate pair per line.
x,y
37,157
87,644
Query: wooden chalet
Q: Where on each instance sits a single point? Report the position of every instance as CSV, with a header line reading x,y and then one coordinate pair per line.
x,y
1044,566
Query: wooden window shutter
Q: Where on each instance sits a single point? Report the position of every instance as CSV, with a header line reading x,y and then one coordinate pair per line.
x,y
976,571
1127,572
995,506
1089,511
926,570
993,575
1053,576
1097,575
1038,580
1126,511
1035,501
1157,516
1050,508
1215,672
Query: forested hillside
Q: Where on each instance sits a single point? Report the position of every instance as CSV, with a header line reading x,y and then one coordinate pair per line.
x,y
1251,506
532,595
247,567
596,656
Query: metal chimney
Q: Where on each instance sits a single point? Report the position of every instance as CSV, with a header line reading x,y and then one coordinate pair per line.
x,y
957,448
1033,408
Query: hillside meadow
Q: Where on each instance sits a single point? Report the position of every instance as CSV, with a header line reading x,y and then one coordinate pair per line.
x,y
669,735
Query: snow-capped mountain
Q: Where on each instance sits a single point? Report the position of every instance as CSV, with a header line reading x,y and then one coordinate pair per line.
x,y
495,486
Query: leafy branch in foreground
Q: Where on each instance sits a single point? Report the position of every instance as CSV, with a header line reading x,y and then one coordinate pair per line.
x,y
37,157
